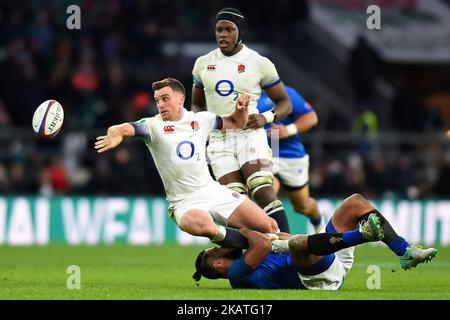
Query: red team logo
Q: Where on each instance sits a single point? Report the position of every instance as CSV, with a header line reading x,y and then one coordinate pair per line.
x,y
169,129
194,125
211,67
241,68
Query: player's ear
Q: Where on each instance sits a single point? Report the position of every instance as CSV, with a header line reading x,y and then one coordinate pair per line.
x,y
182,99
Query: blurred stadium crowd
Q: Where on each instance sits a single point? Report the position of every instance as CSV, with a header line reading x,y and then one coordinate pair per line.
x,y
102,75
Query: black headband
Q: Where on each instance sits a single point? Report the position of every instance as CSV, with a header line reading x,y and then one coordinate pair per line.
x,y
234,17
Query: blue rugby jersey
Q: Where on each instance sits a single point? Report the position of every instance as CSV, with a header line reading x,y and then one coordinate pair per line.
x,y
276,272
291,147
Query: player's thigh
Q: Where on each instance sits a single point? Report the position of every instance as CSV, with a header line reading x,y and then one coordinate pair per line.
x,y
249,215
253,149
222,157
249,168
197,222
231,177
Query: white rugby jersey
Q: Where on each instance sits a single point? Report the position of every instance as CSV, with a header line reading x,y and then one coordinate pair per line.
x,y
178,149
224,78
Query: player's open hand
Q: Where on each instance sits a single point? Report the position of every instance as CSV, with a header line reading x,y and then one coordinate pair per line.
x,y
278,130
256,121
112,139
243,102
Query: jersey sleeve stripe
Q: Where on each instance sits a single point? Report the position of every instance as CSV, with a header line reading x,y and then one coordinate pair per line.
x,y
270,85
219,123
140,131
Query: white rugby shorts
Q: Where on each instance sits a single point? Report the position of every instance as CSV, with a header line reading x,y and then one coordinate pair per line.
x,y
292,172
333,277
216,199
230,151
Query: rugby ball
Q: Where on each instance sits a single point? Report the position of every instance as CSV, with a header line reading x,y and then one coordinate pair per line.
x,y
48,119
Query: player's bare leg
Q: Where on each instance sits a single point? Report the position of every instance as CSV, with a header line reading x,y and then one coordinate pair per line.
x,y
356,209
200,223
303,203
234,181
308,250
348,215
250,216
299,252
276,185
259,179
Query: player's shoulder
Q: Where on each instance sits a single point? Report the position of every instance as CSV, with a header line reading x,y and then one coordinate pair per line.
x,y
203,115
255,55
145,120
208,56
154,119
153,122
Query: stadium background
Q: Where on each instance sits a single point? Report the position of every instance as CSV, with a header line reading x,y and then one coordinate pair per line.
x,y
382,96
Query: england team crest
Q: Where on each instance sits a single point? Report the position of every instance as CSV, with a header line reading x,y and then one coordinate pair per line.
x,y
194,125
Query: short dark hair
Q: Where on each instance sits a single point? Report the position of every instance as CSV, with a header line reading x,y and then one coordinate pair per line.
x,y
175,84
204,267
204,264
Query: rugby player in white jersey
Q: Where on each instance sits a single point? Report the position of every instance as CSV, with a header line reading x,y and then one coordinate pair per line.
x,y
177,139
241,160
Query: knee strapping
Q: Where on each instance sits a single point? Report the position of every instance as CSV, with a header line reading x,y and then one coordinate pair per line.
x,y
259,180
238,187
273,207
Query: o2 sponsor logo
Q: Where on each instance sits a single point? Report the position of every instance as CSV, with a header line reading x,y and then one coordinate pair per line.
x,y
224,88
186,150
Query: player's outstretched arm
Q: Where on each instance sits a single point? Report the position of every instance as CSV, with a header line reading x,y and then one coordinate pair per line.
x,y
114,137
238,119
259,246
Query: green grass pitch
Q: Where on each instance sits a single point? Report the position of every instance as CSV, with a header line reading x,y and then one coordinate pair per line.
x,y
164,272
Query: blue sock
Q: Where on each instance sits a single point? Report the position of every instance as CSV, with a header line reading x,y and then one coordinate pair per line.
x,y
398,246
316,222
352,238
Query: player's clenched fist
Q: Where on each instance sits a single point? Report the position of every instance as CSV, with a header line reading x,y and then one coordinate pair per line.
x,y
243,102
